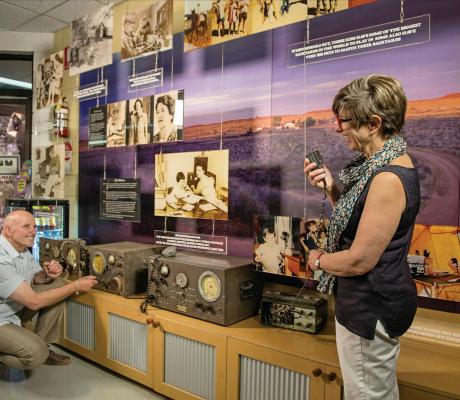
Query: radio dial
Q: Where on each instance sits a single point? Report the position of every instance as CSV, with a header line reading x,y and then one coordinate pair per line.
x,y
98,264
56,252
209,286
181,280
115,285
71,258
164,270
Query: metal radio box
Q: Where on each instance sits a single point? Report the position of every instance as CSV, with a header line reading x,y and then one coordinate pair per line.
x,y
72,254
121,268
218,289
303,313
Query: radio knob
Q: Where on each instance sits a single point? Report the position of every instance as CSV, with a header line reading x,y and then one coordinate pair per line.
x,y
164,270
211,310
200,306
115,285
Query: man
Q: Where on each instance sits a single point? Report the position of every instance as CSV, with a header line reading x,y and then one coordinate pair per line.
x,y
19,301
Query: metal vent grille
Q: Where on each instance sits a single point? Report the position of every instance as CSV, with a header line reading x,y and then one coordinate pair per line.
x,y
190,365
262,381
80,324
128,342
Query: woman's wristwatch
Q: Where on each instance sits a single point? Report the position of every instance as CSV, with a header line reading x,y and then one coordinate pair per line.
x,y
317,261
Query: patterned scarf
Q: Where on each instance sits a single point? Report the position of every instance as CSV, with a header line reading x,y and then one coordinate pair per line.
x,y
355,176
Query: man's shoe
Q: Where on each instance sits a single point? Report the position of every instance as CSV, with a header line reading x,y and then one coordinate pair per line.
x,y
57,359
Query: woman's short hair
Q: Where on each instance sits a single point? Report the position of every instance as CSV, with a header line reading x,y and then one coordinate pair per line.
x,y
180,175
373,95
268,231
168,101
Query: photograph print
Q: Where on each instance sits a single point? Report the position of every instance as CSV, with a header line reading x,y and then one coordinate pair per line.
x,y
282,244
116,124
91,41
168,117
433,259
192,184
48,164
147,30
197,17
48,81
140,126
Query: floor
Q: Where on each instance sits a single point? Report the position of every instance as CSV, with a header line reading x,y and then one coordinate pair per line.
x,y
80,380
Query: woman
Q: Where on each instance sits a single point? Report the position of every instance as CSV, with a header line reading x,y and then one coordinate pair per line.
x,y
369,236
139,124
164,119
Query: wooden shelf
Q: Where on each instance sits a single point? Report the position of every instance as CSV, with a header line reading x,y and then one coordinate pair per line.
x,y
429,366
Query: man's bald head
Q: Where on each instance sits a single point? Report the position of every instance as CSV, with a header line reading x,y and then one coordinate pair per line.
x,y
16,217
19,229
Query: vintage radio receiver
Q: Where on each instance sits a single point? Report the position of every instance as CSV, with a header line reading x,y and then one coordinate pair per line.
x,y
121,268
71,253
218,289
303,313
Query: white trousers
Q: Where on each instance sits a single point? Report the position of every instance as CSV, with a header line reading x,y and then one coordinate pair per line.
x,y
368,366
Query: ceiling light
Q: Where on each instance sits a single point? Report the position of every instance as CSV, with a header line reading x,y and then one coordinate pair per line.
x,y
14,82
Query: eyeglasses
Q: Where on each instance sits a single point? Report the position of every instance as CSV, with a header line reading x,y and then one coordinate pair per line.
x,y
340,121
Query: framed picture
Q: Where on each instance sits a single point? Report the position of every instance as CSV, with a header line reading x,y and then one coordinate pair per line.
x,y
9,165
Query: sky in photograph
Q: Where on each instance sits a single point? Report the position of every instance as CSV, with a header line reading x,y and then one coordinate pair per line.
x,y
256,82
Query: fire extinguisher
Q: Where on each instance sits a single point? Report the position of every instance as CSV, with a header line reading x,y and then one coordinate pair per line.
x,y
61,119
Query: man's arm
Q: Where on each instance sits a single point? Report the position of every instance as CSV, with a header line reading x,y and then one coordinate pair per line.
x,y
25,295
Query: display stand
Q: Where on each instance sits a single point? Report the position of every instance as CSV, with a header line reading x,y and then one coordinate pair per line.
x,y
186,358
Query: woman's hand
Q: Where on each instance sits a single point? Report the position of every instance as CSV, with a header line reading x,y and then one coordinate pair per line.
x,y
319,176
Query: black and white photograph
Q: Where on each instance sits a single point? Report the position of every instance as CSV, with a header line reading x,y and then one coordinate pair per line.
x,y
48,164
168,114
13,136
91,41
276,245
192,184
147,30
116,124
48,81
140,128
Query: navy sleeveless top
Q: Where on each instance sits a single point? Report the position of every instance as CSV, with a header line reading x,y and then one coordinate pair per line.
x,y
386,293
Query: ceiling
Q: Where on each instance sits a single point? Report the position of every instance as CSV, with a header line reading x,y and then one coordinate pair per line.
x,y
44,16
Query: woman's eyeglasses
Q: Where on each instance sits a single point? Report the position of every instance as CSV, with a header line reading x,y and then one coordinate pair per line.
x,y
340,121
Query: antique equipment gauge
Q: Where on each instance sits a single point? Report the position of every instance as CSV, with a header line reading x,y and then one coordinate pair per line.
x,y
209,286
72,257
98,264
181,280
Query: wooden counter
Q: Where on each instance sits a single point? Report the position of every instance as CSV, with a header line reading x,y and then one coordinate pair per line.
x,y
427,369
